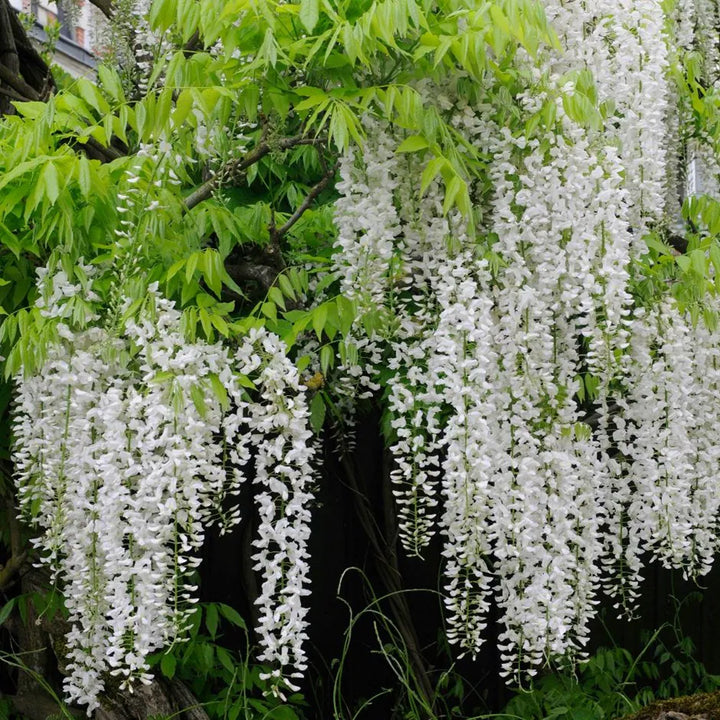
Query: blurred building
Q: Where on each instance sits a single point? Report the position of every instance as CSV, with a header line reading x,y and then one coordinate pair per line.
x,y
77,20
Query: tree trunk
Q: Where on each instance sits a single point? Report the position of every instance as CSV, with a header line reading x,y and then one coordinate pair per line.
x,y
24,75
705,706
41,642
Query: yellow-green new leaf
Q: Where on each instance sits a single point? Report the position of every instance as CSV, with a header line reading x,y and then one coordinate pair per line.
x,y
309,13
319,319
431,171
413,144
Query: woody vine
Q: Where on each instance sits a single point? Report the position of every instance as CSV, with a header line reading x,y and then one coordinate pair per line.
x,y
481,217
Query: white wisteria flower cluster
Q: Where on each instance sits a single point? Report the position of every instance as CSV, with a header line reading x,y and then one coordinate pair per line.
x,y
495,341
278,428
120,439
552,429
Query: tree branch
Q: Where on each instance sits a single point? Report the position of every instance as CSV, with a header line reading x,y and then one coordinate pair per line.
x,y
105,6
17,83
102,153
23,92
677,242
235,167
8,50
277,234
11,568
264,275
31,65
12,94
18,555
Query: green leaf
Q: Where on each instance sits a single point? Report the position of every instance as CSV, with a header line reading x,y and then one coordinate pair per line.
x,y
111,82
346,314
309,13
225,659
313,101
205,653
211,619
162,376
236,709
282,712
269,310
582,110
276,296
220,391
175,268
319,319
430,172
454,188
167,665
317,412
198,398
219,324
286,286
183,106
715,259
246,382
327,359
83,176
500,20
192,263
31,110
656,244
162,14
6,610
232,615
697,260
413,144
268,49
92,95
21,169
49,179
213,271
206,323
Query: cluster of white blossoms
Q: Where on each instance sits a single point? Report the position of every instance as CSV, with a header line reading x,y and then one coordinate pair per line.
x,y
279,431
542,504
121,439
664,429
131,440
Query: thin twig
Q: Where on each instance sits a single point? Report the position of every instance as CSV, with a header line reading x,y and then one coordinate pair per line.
x,y
105,6
309,199
235,167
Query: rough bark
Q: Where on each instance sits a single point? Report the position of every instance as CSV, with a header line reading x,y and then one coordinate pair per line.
x,y
40,646
705,706
23,72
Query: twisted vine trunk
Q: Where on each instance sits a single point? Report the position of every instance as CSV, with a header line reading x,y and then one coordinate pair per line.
x,y
38,642
24,75
705,706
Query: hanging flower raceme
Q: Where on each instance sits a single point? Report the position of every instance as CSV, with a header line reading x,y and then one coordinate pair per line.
x,y
464,366
491,374
423,261
278,429
120,444
124,507
665,433
548,426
